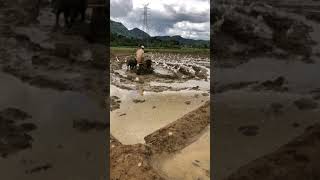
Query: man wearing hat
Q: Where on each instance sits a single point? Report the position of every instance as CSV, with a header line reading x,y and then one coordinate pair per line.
x,y
140,55
140,58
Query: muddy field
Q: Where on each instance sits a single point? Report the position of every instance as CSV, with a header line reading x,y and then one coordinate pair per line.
x,y
52,112
160,121
266,87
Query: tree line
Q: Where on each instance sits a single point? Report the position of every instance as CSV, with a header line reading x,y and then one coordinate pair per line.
x,y
117,40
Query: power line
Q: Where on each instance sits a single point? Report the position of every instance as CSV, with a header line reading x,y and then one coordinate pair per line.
x,y
146,15
145,25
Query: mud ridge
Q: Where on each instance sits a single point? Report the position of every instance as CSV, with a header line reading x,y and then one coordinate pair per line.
x,y
131,162
175,136
135,161
299,159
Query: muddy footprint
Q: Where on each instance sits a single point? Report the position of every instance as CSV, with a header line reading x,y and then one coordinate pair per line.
x,y
115,103
13,136
305,104
40,168
85,125
14,114
249,130
139,100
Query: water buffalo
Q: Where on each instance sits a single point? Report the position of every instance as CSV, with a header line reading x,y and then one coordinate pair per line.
x,y
148,63
131,64
70,9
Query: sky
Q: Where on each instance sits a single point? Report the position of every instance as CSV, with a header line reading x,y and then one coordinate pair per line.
x,y
187,18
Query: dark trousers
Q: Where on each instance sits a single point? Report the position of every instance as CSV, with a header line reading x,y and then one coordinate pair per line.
x,y
140,69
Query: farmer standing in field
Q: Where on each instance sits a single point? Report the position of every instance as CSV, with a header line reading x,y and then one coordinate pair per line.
x,y
140,58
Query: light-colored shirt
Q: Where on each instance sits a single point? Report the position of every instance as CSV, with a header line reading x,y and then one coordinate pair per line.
x,y
140,56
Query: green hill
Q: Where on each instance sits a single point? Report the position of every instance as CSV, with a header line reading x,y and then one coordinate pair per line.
x,y
121,36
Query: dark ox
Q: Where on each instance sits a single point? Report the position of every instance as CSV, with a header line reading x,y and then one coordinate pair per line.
x,y
131,64
70,9
148,63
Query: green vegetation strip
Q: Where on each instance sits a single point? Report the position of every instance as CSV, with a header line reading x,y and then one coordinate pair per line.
x,y
132,50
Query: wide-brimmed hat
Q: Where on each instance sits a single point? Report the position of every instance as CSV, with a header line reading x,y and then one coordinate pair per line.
x,y
142,47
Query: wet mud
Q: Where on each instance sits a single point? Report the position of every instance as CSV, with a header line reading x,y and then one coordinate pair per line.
x,y
52,117
14,133
157,115
267,97
193,162
38,129
61,59
172,72
148,161
297,159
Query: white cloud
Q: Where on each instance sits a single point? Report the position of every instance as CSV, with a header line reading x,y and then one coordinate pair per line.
x,y
120,8
190,30
188,18
186,25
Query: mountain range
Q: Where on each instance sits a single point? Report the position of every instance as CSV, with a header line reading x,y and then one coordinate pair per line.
x,y
118,30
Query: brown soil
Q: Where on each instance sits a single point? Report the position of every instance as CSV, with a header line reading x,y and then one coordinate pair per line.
x,y
177,135
85,125
171,73
133,162
164,72
14,135
253,137
43,60
62,59
115,103
299,159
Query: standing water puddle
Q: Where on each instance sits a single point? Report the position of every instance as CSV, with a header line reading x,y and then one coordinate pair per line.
x,y
301,77
248,119
70,154
193,162
150,112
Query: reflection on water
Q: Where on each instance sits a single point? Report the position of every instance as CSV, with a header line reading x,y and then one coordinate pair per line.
x,y
141,89
193,162
140,85
72,154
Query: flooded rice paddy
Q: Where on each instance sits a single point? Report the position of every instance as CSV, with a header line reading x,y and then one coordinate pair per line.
x,y
146,103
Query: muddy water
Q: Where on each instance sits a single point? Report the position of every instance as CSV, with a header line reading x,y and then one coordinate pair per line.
x,y
71,154
193,162
133,121
301,77
155,100
245,107
170,73
179,85
241,108
237,109
201,84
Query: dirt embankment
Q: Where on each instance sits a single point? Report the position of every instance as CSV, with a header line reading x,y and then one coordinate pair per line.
x,y
133,162
177,135
299,159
